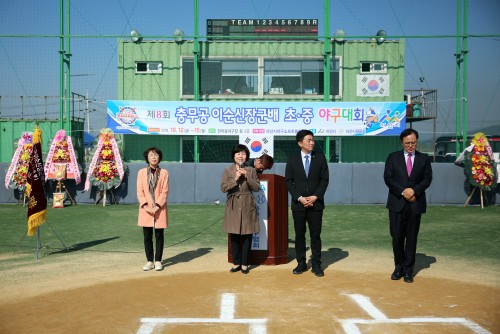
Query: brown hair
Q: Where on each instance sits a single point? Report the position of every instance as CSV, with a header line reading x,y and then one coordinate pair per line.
x,y
267,161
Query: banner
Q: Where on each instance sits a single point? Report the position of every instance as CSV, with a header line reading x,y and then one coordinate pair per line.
x,y
235,118
35,186
260,239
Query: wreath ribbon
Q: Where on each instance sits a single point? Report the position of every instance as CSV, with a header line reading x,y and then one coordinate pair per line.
x,y
15,159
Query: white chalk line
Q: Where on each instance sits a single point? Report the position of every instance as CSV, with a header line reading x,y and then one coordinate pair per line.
x,y
227,306
227,309
365,303
350,325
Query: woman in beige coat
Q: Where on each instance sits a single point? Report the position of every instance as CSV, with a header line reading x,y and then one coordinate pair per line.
x,y
152,193
240,215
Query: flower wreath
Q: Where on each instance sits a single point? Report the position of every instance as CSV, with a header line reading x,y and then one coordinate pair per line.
x,y
61,152
479,163
17,172
106,169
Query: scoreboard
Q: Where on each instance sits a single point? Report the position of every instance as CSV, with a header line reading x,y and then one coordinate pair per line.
x,y
251,29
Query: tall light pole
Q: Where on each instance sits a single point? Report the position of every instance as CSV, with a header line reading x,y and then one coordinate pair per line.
x,y
196,56
327,52
68,68
461,95
64,66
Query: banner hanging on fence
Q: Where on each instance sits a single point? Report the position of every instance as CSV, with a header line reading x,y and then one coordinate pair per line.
x,y
224,118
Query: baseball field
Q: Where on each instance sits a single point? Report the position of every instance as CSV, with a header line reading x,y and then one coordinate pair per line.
x,y
88,277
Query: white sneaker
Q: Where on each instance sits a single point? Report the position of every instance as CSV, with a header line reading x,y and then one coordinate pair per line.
x,y
148,266
158,266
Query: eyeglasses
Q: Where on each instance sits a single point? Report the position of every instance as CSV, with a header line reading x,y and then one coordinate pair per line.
x,y
410,143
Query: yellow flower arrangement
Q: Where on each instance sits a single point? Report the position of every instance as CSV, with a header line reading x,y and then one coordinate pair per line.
x,y
21,173
105,174
480,165
61,153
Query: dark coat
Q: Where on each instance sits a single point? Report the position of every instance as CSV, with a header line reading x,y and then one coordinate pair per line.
x,y
397,179
240,214
299,185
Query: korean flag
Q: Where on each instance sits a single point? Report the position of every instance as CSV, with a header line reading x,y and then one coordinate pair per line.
x,y
258,144
372,85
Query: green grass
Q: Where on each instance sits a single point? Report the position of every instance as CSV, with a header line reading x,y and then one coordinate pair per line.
x,y
470,233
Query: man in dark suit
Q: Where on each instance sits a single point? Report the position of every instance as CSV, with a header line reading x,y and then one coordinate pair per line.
x,y
307,177
407,173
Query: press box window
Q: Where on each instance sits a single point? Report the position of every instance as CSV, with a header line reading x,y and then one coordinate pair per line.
x,y
297,76
149,67
221,76
373,67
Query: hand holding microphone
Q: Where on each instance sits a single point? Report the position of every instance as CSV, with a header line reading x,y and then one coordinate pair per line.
x,y
241,171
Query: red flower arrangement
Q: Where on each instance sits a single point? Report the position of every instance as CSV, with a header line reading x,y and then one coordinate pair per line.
x,y
479,163
61,153
105,174
107,151
21,173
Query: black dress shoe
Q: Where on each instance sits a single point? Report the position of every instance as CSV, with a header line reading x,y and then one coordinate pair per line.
x,y
301,268
396,275
408,278
245,271
233,270
316,270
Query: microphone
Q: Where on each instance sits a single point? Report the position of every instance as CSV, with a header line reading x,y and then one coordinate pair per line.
x,y
242,166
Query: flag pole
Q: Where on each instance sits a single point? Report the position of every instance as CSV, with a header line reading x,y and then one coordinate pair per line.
x,y
36,192
38,242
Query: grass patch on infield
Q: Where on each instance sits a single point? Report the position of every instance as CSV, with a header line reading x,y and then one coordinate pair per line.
x,y
470,233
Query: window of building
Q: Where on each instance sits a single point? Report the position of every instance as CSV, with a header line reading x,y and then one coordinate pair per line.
x,y
210,149
149,67
221,76
285,146
373,67
242,77
213,149
306,77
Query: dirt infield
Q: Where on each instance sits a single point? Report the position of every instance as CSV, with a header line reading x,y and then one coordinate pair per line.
x,y
90,292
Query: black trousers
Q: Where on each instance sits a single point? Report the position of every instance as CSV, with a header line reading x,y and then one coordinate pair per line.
x,y
313,219
404,227
241,253
148,243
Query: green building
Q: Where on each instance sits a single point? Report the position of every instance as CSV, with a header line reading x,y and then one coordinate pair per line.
x,y
270,70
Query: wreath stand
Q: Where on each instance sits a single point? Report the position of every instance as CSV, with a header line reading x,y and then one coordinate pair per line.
x,y
22,197
59,189
470,196
102,194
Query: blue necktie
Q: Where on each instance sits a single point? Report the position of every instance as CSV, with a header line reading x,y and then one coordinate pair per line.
x,y
307,166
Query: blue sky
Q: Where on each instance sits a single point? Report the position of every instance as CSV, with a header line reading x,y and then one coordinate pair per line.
x,y
30,66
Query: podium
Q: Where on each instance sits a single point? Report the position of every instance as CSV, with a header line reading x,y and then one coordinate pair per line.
x,y
270,246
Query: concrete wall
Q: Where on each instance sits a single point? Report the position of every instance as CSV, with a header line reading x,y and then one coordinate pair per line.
x,y
356,183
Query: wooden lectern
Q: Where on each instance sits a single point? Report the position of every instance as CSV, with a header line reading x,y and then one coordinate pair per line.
x,y
277,223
